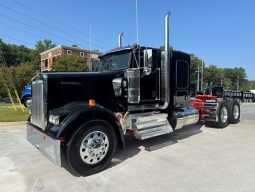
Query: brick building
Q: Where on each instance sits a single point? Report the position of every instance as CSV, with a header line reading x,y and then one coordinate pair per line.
x,y
48,57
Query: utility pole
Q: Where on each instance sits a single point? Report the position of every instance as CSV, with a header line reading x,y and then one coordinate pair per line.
x,y
202,75
198,78
237,84
90,63
221,80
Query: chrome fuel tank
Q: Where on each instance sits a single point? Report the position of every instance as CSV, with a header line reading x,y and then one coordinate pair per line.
x,y
186,116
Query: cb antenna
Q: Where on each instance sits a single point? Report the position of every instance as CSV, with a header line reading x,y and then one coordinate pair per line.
x,y
137,40
136,16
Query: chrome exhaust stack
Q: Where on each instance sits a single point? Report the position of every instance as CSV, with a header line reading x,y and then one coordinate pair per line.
x,y
120,39
186,115
165,67
167,31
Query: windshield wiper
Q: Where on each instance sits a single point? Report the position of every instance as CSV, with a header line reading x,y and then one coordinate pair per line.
x,y
96,66
103,65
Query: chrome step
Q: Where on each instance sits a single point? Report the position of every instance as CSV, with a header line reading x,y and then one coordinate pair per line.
x,y
150,125
153,132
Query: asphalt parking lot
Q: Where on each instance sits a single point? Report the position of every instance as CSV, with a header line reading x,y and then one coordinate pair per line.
x,y
195,158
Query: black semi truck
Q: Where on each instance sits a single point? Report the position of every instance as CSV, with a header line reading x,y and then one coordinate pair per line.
x,y
82,117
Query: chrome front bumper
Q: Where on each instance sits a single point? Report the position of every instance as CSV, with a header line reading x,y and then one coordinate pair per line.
x,y
47,145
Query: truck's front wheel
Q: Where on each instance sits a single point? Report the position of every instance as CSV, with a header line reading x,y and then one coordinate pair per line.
x,y
27,101
91,149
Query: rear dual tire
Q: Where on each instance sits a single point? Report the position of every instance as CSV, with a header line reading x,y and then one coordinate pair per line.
x,y
223,116
234,109
229,112
27,101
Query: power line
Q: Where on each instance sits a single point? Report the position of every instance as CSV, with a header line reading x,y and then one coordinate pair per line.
x,y
46,24
39,21
28,32
14,27
57,21
136,19
10,37
31,26
20,22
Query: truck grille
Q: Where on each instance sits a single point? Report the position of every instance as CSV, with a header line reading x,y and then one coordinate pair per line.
x,y
38,108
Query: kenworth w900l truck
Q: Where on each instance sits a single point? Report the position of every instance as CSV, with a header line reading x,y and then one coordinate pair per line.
x,y
83,116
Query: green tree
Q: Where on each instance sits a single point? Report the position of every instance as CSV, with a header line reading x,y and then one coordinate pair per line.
x,y
14,54
213,75
227,83
44,45
252,84
23,75
2,87
9,57
40,47
236,75
69,63
22,62
195,62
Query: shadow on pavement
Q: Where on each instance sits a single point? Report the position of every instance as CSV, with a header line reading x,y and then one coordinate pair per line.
x,y
133,145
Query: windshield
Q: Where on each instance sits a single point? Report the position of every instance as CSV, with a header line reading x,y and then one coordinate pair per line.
x,y
113,62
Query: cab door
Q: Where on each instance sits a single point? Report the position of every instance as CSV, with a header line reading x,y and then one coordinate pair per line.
x,y
149,81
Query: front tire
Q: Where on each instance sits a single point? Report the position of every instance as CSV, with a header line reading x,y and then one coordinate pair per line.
x,y
91,149
27,101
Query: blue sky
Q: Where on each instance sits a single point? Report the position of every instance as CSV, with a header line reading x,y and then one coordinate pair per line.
x,y
221,32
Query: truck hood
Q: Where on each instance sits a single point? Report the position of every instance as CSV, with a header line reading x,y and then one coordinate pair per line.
x,y
66,87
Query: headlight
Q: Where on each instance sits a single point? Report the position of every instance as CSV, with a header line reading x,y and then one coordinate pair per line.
x,y
54,119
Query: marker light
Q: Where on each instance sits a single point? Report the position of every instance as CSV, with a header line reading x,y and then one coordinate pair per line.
x,y
91,102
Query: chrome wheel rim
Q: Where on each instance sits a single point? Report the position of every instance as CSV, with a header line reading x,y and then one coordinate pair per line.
x,y
94,147
236,112
28,102
224,115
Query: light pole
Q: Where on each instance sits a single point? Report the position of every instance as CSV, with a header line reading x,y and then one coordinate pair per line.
x,y
200,81
237,84
221,80
202,75
197,78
